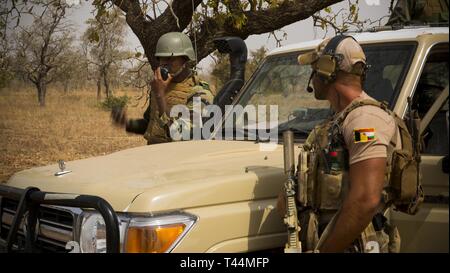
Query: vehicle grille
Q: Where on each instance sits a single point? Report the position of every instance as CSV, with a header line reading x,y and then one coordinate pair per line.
x,y
54,230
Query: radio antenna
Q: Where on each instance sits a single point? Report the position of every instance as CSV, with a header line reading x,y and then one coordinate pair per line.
x,y
195,36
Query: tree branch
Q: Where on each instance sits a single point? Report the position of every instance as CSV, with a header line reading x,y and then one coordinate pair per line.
x,y
148,32
258,22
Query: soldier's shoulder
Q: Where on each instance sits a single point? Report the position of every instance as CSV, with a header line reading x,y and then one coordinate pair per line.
x,y
369,116
203,90
369,112
205,95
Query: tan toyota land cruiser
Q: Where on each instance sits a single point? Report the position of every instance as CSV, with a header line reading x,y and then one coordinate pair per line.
x,y
220,195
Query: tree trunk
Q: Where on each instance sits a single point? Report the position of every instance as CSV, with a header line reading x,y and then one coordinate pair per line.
x,y
106,83
99,89
42,89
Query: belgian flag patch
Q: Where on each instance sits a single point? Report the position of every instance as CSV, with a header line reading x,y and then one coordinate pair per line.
x,y
364,135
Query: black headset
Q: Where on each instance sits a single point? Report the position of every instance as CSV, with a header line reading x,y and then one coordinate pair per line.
x,y
327,65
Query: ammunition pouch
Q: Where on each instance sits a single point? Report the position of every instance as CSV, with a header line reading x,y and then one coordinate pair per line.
x,y
331,189
394,238
406,194
380,237
317,188
309,233
405,177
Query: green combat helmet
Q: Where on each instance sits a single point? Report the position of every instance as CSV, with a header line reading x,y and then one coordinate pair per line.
x,y
175,44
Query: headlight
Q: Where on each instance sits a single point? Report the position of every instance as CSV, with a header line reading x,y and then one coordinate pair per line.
x,y
93,234
155,234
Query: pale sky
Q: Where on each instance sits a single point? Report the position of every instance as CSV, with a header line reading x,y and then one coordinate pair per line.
x,y
297,32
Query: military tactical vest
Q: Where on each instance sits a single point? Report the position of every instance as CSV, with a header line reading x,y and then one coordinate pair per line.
x,y
178,94
323,179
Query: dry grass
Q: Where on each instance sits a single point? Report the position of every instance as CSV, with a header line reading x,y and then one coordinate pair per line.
x,y
69,127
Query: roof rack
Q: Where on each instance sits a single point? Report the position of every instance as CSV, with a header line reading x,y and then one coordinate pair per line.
x,y
398,27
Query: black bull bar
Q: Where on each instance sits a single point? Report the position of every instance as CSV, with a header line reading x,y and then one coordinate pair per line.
x,y
30,199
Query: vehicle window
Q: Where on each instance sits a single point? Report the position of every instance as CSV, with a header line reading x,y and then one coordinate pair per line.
x,y
435,138
433,80
387,70
282,81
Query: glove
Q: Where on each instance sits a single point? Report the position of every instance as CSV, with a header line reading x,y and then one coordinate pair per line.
x,y
119,116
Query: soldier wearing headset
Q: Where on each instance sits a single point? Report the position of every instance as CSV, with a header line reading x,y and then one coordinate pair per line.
x,y
350,159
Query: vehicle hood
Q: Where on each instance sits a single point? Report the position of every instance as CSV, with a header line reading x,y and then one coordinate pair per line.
x,y
168,176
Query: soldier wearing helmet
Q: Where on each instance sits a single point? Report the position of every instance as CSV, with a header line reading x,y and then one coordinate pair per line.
x,y
349,159
175,55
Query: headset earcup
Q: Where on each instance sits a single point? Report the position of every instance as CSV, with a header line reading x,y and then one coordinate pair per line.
x,y
326,68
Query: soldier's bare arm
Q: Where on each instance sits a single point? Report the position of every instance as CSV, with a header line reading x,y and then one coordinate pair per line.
x,y
360,204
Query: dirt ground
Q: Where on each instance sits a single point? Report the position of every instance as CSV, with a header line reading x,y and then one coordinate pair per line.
x,y
71,126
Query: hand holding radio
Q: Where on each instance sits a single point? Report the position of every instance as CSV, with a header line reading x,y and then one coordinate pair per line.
x,y
164,73
161,81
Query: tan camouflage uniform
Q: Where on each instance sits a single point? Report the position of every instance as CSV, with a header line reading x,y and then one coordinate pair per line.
x,y
183,93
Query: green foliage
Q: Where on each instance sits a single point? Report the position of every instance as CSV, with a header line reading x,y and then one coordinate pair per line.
x,y
93,36
238,20
115,102
100,9
230,13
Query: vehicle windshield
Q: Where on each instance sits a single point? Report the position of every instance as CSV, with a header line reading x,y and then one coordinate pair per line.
x,y
281,81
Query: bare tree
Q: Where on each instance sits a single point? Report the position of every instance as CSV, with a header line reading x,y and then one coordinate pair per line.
x,y
5,62
41,45
5,44
104,39
72,69
139,76
256,58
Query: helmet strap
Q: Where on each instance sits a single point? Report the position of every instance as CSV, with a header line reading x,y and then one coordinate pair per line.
x,y
182,73
176,74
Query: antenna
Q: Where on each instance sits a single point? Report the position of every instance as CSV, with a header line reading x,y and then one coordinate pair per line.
x,y
195,36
